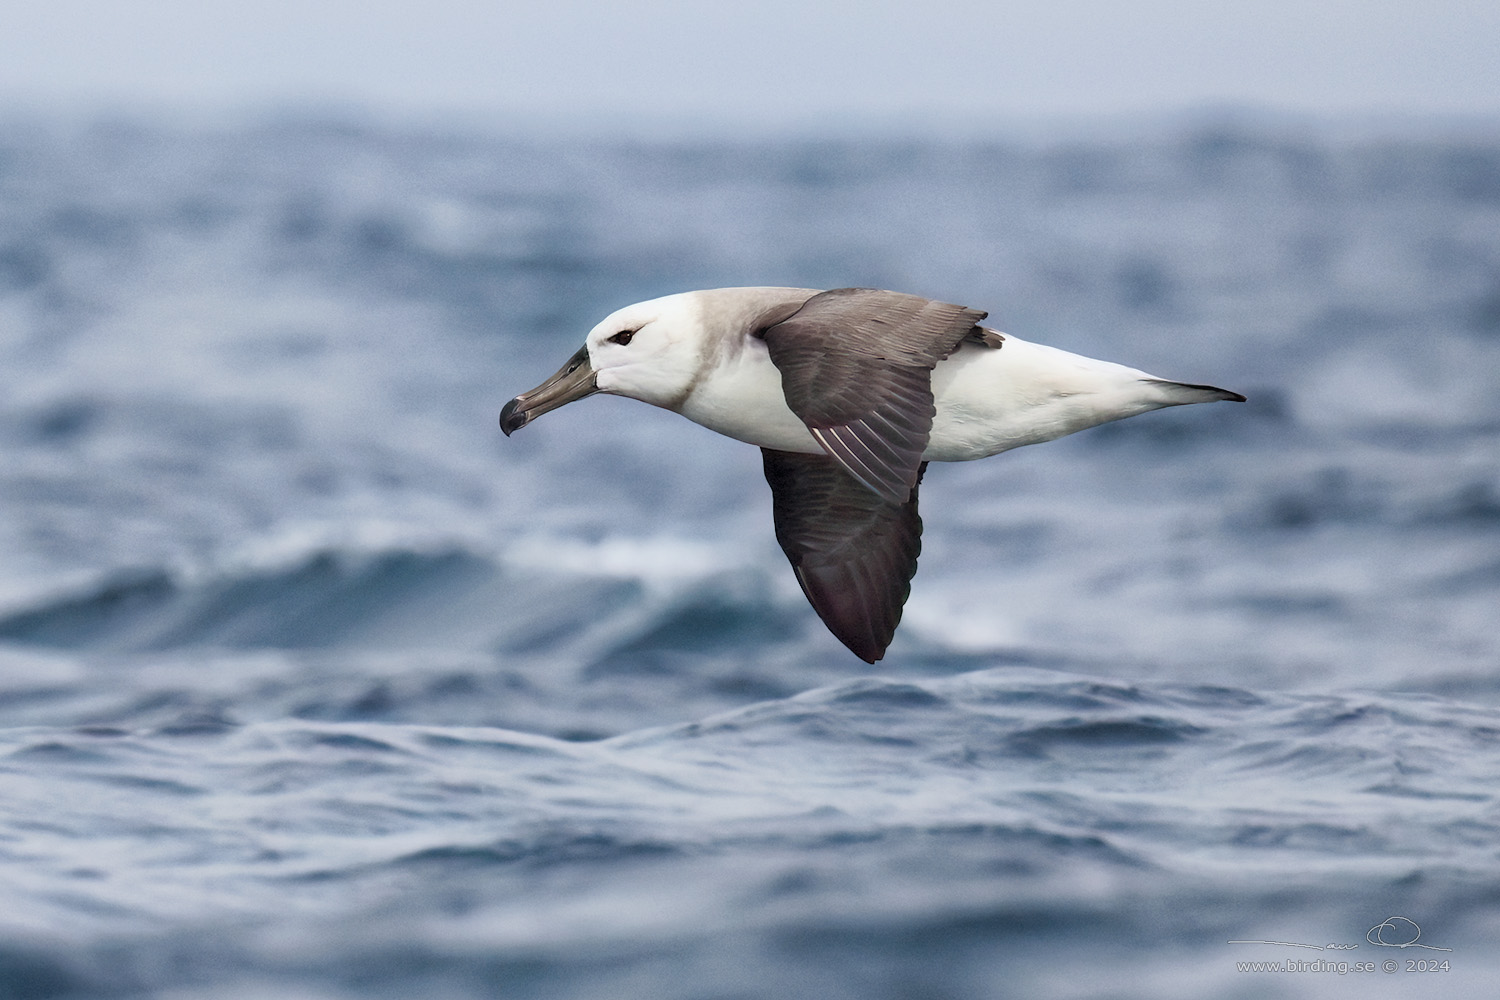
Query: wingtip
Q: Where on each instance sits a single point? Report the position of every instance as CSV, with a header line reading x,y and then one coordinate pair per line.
x,y
849,623
871,654
867,648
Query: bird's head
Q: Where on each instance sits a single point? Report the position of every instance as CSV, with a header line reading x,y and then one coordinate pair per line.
x,y
651,351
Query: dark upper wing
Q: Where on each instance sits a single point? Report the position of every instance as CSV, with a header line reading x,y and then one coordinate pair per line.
x,y
856,367
854,552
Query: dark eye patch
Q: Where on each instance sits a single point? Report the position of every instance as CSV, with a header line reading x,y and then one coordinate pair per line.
x,y
622,338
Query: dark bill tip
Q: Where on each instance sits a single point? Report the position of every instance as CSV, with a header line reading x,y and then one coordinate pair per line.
x,y
512,417
573,380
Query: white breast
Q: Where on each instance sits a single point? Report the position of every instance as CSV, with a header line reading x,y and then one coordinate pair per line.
x,y
742,399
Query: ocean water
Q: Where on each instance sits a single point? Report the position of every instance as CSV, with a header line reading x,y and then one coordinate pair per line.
x,y
314,686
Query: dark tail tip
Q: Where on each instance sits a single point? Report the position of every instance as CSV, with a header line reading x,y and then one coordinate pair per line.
x,y
1187,392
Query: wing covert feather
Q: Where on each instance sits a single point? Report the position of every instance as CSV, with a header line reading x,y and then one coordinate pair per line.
x,y
856,367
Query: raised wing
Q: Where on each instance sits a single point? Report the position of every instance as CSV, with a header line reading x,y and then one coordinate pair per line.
x,y
854,552
856,367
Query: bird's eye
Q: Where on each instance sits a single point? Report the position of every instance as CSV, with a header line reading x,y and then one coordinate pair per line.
x,y
622,338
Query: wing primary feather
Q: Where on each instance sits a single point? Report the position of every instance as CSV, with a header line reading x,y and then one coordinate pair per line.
x,y
853,552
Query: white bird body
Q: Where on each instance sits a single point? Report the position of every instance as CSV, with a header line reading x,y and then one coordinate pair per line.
x,y
987,400
849,393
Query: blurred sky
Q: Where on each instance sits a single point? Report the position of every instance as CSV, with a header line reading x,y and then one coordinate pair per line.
x,y
780,60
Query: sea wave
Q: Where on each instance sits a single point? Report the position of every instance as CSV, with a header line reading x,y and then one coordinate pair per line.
x,y
450,595
979,814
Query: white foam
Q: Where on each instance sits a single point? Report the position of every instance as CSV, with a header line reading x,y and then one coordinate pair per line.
x,y
658,560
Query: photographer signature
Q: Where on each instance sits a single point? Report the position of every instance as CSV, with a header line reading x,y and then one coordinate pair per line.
x,y
1392,932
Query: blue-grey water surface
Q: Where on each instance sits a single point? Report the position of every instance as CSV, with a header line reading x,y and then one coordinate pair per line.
x,y
314,686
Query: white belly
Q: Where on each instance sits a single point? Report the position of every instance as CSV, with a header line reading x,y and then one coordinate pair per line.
x,y
988,400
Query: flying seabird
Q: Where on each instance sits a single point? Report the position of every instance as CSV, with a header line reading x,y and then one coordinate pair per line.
x,y
849,393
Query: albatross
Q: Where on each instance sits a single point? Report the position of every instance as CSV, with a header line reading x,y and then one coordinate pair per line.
x,y
848,393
